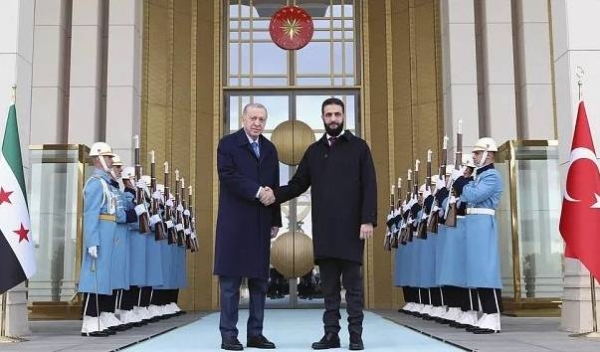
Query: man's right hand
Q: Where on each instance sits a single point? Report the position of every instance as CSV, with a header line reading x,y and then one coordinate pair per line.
x,y
266,196
93,251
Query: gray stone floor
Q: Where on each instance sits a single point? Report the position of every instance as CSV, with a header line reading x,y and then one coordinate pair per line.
x,y
518,335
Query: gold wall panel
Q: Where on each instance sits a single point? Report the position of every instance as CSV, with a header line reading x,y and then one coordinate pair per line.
x,y
182,107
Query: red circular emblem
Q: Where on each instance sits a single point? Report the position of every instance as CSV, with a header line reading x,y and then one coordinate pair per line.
x,y
291,28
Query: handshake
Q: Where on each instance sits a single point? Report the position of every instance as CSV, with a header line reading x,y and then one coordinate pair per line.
x,y
266,196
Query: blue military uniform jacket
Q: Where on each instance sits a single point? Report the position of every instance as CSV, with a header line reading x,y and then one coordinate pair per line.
x,y
99,223
483,258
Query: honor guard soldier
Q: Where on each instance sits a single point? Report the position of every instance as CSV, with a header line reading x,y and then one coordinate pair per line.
x,y
483,261
453,267
99,224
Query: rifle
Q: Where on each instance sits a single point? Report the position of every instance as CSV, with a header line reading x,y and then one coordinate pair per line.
x,y
432,225
452,208
178,213
387,245
140,199
422,226
185,220
171,233
415,195
195,247
159,226
406,233
397,216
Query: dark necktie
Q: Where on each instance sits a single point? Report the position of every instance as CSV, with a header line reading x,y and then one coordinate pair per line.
x,y
332,140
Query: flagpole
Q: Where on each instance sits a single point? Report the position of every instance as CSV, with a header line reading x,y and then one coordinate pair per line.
x,y
594,333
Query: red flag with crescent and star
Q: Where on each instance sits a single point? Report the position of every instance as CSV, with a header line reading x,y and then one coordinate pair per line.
x,y
580,216
17,258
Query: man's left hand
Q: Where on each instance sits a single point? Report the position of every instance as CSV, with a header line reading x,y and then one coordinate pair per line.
x,y
366,231
274,231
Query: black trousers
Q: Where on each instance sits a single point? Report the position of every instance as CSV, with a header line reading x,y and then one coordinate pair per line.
x,y
105,303
491,300
351,277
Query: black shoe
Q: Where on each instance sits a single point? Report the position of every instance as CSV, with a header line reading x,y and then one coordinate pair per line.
x,y
480,331
95,334
232,344
330,340
356,343
259,342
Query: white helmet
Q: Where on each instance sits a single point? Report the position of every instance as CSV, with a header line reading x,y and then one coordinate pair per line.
x,y
422,188
101,148
117,160
160,187
128,173
467,160
485,144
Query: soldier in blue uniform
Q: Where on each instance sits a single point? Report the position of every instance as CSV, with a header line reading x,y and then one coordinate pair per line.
x,y
99,224
483,262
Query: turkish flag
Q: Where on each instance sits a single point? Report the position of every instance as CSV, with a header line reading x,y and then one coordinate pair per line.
x,y
580,217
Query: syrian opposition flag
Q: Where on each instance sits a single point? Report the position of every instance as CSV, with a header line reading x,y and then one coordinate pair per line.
x,y
580,216
17,260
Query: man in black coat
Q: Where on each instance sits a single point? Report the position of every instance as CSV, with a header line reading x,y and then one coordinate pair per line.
x,y
247,163
340,170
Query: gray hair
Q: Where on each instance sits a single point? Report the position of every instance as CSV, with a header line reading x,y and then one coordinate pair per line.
x,y
255,106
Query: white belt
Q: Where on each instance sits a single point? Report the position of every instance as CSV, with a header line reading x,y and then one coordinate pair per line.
x,y
481,211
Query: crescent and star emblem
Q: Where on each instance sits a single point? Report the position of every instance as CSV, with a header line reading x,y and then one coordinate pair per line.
x,y
577,154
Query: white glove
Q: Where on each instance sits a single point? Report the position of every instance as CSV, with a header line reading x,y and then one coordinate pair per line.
x,y
412,202
427,193
93,251
141,184
169,203
452,200
186,212
157,195
155,219
180,208
140,209
405,208
455,175
439,184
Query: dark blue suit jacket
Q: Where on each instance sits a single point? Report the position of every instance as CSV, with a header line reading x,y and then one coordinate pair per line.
x,y
243,240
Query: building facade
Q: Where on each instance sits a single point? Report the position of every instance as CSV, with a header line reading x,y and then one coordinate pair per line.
x,y
178,72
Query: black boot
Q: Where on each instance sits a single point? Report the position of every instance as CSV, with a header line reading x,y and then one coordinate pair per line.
x,y
329,340
356,343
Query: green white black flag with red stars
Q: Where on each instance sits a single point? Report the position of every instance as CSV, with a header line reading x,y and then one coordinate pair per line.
x,y
17,260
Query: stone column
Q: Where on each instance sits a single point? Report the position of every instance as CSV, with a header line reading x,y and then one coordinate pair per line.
x,y
459,68
535,105
499,118
123,101
85,101
16,56
574,28
50,71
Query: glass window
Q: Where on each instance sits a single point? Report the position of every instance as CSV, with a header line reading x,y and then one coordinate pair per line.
x,y
328,60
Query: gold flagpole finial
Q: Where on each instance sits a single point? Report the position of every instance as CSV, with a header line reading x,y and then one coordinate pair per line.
x,y
579,73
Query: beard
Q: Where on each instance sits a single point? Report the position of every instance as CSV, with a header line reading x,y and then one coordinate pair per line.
x,y
334,132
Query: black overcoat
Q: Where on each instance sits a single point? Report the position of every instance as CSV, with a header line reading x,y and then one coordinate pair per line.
x,y
343,195
243,234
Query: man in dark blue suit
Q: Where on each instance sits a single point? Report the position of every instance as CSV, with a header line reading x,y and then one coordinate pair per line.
x,y
247,165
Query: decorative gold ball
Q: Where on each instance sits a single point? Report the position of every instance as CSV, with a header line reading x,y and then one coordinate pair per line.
x,y
292,254
291,138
